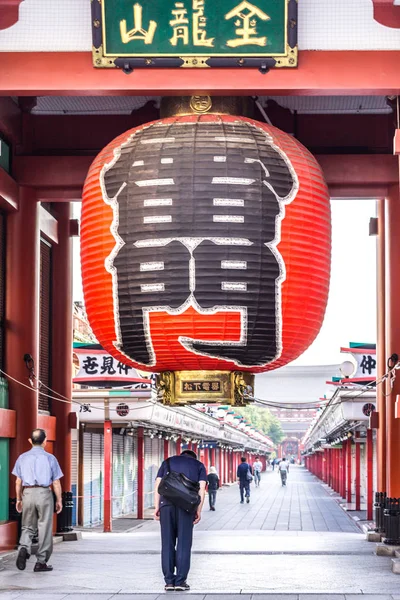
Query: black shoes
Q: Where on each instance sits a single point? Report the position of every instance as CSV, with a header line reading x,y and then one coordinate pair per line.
x,y
169,587
41,567
212,508
242,502
248,499
22,558
183,587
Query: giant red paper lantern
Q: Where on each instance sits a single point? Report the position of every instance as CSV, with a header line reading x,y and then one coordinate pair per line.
x,y
205,245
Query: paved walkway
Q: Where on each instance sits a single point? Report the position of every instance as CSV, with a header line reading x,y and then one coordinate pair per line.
x,y
287,544
303,505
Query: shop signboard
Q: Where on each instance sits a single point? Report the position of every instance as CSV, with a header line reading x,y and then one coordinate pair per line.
x,y
99,369
194,33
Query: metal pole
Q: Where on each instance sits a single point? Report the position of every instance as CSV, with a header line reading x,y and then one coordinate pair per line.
x,y
358,473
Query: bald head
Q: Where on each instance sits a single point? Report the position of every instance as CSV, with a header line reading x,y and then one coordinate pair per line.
x,y
38,437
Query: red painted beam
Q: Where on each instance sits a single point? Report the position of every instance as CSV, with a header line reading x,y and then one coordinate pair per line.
x,y
49,425
56,177
8,423
322,73
9,192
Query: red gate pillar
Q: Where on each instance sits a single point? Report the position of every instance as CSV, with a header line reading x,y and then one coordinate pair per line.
x,y
22,316
344,462
392,282
358,473
140,475
348,465
107,476
166,449
381,350
61,347
370,475
213,461
178,445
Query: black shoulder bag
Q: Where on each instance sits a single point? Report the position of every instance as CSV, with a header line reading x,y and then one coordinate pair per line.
x,y
180,490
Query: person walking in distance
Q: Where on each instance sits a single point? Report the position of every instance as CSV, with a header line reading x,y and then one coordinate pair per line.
x,y
244,477
257,468
36,471
283,470
176,523
213,486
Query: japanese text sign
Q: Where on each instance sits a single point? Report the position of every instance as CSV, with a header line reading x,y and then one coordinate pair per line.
x,y
96,366
194,33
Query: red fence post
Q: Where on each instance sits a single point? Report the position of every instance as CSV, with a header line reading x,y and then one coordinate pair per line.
x,y
370,474
140,477
107,476
349,460
358,473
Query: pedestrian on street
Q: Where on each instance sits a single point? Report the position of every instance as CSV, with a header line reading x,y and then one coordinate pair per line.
x,y
273,464
257,468
36,471
213,486
176,523
244,477
283,470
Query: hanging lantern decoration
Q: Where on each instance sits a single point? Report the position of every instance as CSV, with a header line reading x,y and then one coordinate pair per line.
x,y
205,250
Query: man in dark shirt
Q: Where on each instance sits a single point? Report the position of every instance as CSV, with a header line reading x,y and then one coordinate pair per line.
x,y
243,478
176,523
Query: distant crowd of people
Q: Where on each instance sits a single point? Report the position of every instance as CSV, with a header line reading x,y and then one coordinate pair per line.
x,y
180,490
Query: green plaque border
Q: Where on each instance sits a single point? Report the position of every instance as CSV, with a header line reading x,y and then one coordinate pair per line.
x,y
129,62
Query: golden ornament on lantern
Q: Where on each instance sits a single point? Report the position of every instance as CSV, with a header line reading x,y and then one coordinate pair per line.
x,y
205,246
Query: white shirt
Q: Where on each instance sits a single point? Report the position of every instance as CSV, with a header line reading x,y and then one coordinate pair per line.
x,y
284,466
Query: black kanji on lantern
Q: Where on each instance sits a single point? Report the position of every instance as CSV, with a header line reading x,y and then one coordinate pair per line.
x,y
90,365
108,366
197,214
368,364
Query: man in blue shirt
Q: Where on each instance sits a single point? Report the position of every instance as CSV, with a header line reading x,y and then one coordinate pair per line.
x,y
36,471
244,477
176,523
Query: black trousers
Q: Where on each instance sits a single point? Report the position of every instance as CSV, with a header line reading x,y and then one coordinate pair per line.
x,y
244,488
176,543
212,497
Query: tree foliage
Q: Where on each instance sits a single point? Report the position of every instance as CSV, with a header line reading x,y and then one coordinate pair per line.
x,y
264,421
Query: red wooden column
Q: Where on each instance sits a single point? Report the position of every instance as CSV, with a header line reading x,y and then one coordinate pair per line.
x,y
22,316
140,475
178,445
213,461
392,240
206,459
107,476
344,462
381,350
358,473
348,468
166,449
61,348
343,471
370,475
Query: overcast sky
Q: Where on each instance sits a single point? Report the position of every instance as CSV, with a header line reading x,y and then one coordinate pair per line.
x,y
351,311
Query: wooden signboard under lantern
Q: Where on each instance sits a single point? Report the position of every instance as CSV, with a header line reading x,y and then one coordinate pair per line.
x,y
205,248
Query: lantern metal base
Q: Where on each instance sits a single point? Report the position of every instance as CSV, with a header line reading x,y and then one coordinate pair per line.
x,y
191,387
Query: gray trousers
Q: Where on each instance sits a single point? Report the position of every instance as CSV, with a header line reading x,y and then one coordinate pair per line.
x,y
37,515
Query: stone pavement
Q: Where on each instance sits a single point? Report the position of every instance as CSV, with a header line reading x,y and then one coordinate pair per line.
x,y
287,544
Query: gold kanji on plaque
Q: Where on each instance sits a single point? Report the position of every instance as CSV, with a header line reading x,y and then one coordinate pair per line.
x,y
137,33
246,21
